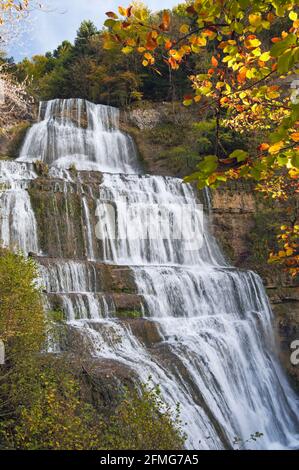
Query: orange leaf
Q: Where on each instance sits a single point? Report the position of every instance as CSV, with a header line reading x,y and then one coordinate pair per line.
x,y
168,44
214,61
208,32
151,43
275,39
164,26
242,75
264,146
270,17
173,63
175,54
295,136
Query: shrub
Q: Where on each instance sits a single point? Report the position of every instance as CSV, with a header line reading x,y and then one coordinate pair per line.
x,y
42,402
22,320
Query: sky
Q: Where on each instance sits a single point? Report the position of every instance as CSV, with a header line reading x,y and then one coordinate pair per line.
x,y
61,19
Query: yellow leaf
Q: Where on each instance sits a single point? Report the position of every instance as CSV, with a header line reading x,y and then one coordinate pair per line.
x,y
131,42
293,16
255,19
276,147
127,50
122,11
265,56
175,54
200,41
184,29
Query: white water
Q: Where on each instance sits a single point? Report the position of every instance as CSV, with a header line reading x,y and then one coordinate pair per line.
x,y
17,222
59,139
217,353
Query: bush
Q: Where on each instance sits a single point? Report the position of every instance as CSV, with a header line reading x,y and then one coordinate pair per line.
x,y
42,402
143,421
22,319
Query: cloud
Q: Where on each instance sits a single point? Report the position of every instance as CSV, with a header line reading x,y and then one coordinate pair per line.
x,y
61,19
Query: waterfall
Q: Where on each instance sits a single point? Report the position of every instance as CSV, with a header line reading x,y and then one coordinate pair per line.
x,y
214,348
18,228
77,132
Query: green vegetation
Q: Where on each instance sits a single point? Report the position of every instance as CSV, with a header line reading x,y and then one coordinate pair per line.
x,y
18,133
87,70
41,168
184,146
43,404
128,314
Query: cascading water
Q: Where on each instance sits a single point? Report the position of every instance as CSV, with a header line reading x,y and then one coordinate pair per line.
x,y
216,352
80,133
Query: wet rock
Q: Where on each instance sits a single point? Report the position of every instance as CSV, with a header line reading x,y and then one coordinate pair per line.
x,y
127,302
147,331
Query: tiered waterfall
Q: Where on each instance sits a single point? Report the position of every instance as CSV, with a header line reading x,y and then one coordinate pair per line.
x,y
211,346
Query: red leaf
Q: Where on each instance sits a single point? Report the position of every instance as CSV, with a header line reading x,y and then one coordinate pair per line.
x,y
191,10
111,14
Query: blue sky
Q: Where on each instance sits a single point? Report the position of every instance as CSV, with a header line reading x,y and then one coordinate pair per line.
x,y
61,21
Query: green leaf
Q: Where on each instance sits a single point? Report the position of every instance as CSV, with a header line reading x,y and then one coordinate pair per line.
x,y
221,177
255,173
193,177
109,23
285,62
201,184
295,161
282,160
281,46
188,102
240,155
208,165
